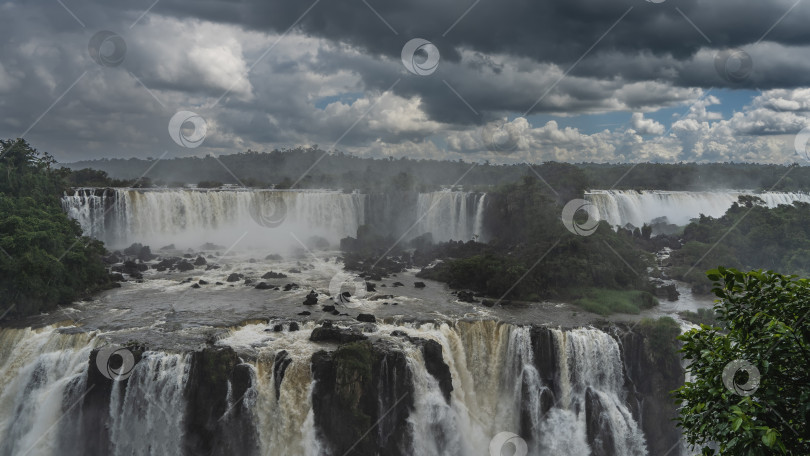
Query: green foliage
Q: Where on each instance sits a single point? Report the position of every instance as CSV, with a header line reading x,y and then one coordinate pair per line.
x,y
606,302
748,236
44,259
701,317
339,170
533,256
766,324
662,336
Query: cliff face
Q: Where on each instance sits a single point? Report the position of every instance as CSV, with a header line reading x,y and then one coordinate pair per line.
x,y
388,393
650,376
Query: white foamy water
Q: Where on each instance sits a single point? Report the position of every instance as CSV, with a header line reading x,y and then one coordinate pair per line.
x,y
497,387
266,218
620,207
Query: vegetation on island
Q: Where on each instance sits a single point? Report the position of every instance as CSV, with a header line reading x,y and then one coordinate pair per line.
x,y
44,259
747,392
749,236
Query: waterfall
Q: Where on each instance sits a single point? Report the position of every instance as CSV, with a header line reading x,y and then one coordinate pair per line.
x,y
151,408
264,218
561,391
450,215
43,374
189,218
620,207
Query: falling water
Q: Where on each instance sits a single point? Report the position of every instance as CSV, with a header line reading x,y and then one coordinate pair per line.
x,y
499,384
189,218
620,207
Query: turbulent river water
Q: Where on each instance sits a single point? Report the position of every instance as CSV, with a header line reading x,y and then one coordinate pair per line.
x,y
227,368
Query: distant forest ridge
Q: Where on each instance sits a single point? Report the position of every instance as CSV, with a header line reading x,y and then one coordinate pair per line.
x,y
282,169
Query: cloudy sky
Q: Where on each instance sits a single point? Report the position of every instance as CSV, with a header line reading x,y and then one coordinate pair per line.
x,y
515,80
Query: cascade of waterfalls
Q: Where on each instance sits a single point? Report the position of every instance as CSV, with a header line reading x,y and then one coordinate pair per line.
x,y
562,394
620,207
266,218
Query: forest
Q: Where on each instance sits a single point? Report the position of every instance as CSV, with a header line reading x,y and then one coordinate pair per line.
x,y
283,168
44,259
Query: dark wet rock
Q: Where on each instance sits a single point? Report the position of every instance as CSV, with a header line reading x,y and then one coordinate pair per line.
x,y
200,261
202,282
184,266
294,326
196,285
291,286
212,266
294,271
133,250
598,427
117,268
419,284
280,364
366,318
216,374
168,247
250,282
357,385
466,296
305,313
311,299
274,257
337,312
220,283
371,287
234,277
394,303
335,334
188,255
113,258
117,277
278,328
397,284
274,275
264,286
487,302
329,308
670,292
130,267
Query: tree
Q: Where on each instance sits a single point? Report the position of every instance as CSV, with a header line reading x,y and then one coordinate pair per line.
x,y
44,259
749,392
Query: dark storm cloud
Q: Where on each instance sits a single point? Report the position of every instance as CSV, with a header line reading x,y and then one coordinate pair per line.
x,y
497,61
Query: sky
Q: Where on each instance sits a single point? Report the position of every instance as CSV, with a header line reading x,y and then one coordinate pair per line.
x,y
505,81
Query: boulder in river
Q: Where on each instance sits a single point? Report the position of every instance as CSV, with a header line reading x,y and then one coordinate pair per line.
x,y
184,266
419,284
367,318
234,277
274,275
200,261
335,334
311,299
264,286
